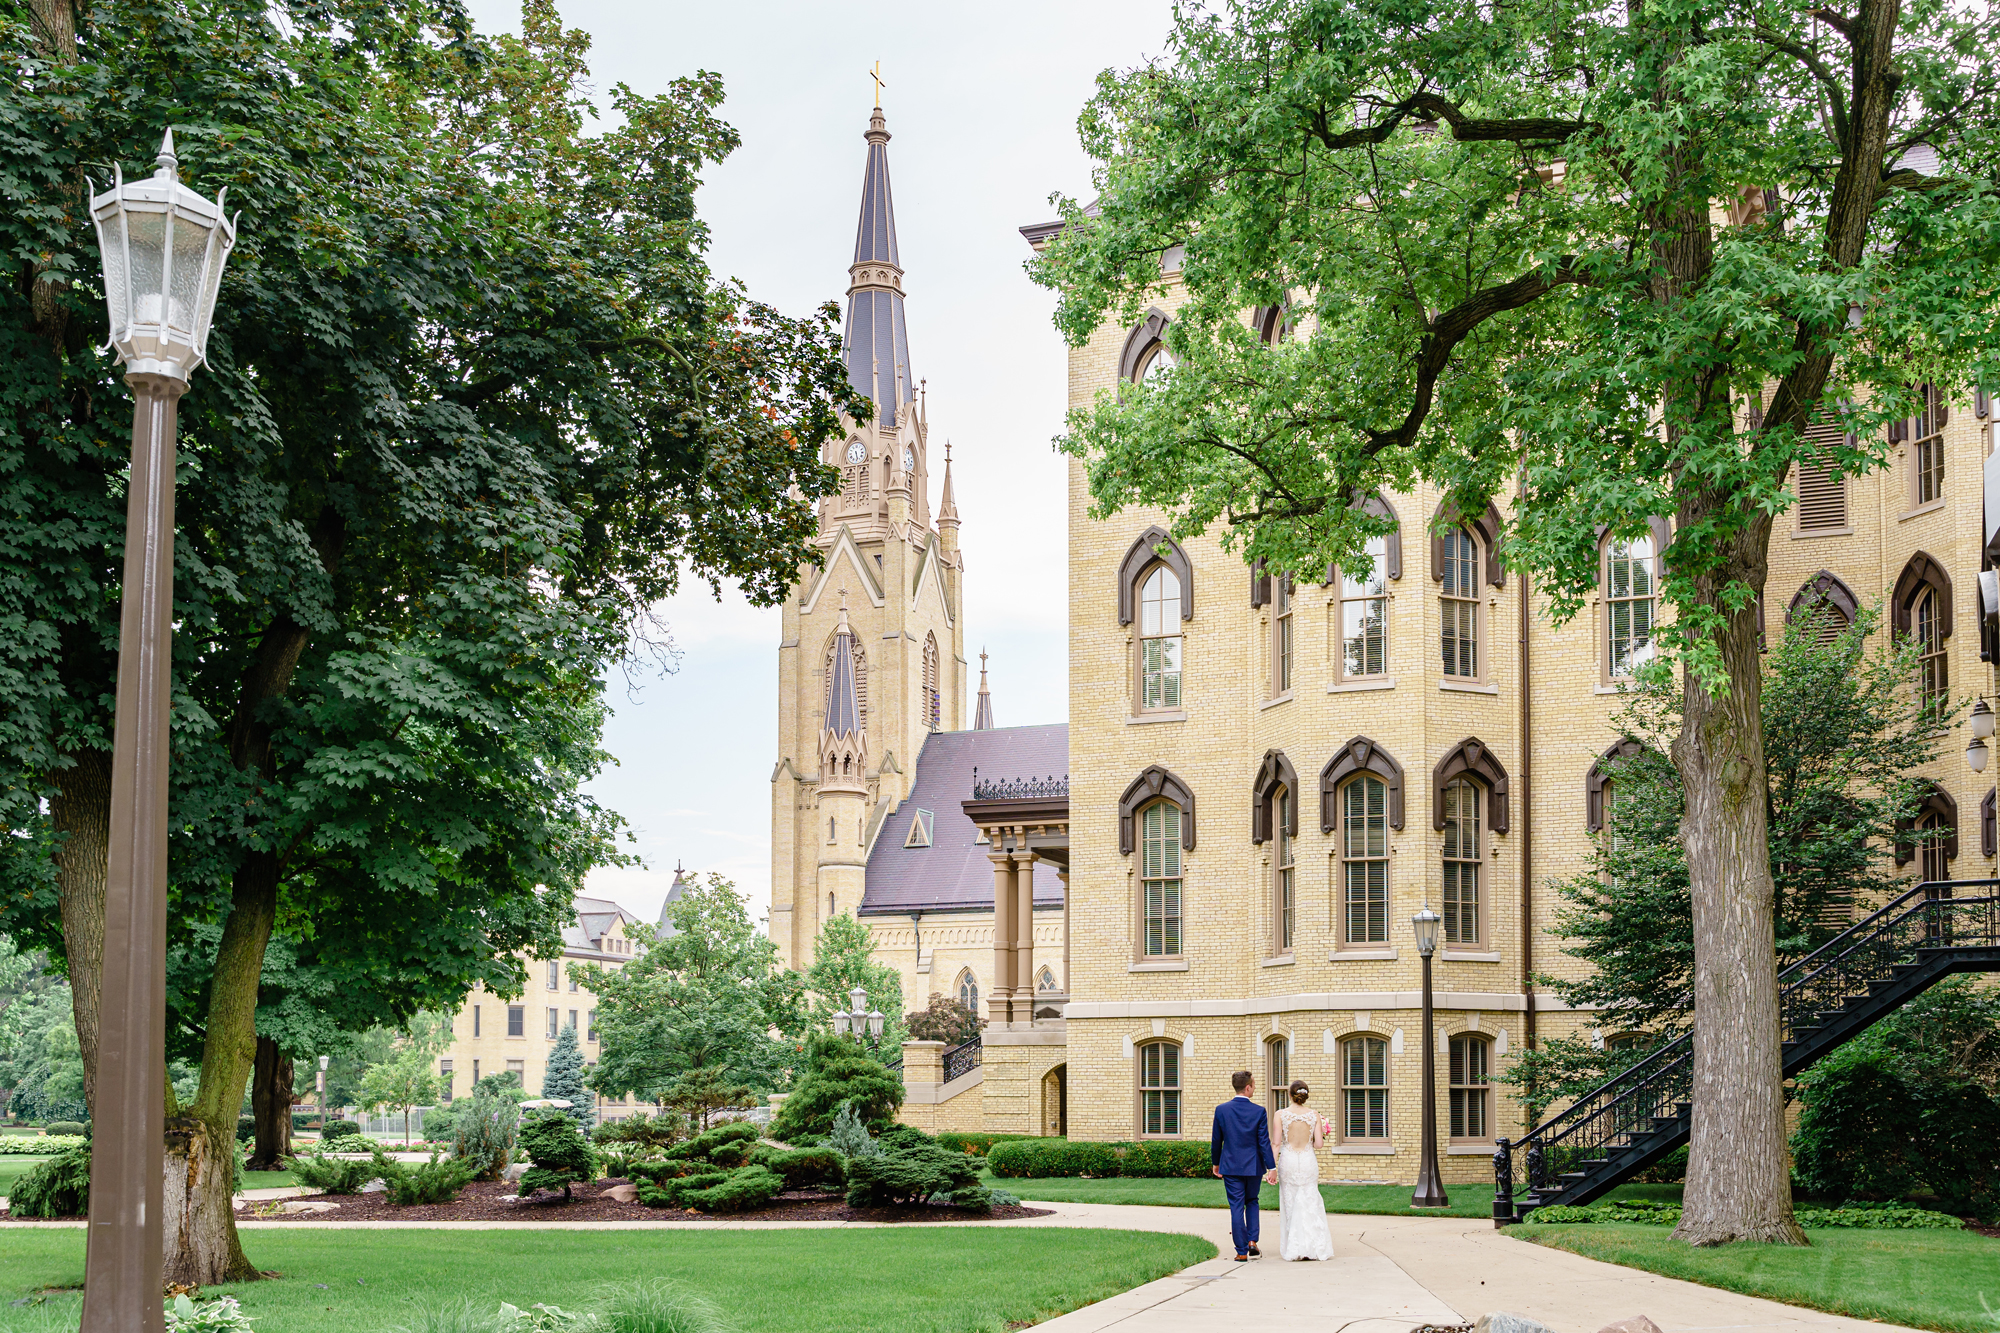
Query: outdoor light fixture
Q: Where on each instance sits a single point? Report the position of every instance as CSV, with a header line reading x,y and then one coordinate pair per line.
x,y
1975,755
163,248
1983,718
856,1021
874,1022
1430,1182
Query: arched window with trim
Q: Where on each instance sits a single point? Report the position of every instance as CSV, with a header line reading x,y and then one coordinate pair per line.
x,y
1364,1089
1284,874
1827,602
1471,1094
1364,861
1630,605
1925,436
1464,862
933,695
968,991
1159,641
1159,1090
1277,1072
1045,982
1458,604
1927,625
1364,615
1160,879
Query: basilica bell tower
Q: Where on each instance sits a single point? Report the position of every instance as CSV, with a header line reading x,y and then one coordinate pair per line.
x,y
873,655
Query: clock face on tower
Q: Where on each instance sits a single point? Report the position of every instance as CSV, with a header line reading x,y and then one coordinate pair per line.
x,y
857,452
909,459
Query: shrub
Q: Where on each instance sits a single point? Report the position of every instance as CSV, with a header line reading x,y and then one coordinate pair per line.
x,y
67,1127
977,1145
332,1175
441,1123
804,1168
838,1072
1669,1170
945,1020
59,1187
486,1132
435,1181
910,1173
724,1146
560,1154
1562,1212
1042,1159
621,1159
246,1128
716,1191
661,1131
36,1145
334,1129
1164,1158
849,1136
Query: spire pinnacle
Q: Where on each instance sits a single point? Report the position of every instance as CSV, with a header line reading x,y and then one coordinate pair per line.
x,y
947,502
982,717
876,338
169,164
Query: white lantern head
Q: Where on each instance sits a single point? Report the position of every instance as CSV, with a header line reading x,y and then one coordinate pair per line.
x,y
324,1061
1426,923
858,997
1983,718
163,247
1976,754
874,1022
842,1022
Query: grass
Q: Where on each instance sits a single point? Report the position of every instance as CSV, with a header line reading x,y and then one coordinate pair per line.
x,y
940,1279
1945,1280
1472,1199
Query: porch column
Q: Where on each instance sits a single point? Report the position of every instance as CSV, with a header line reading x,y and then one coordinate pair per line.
x,y
1063,874
1024,937
1000,995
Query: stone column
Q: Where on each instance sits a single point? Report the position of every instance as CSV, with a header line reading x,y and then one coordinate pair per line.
x,y
1024,937
1000,995
1063,874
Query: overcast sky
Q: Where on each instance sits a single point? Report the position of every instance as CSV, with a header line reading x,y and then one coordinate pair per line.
x,y
982,103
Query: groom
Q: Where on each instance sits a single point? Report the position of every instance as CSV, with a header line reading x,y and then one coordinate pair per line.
x,y
1239,1151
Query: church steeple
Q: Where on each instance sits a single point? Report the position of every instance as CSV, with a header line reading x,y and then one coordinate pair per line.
x,y
843,740
878,344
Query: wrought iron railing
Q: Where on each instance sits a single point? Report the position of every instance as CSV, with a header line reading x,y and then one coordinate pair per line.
x,y
1018,789
963,1058
1651,1094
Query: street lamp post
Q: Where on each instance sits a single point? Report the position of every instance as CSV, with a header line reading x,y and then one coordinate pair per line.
x,y
163,249
323,1062
1430,1184
857,1022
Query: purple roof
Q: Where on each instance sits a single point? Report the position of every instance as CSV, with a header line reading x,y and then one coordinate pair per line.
x,y
877,341
953,873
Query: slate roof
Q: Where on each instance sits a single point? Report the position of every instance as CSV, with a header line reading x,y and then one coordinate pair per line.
x,y
674,891
843,708
876,339
953,874
594,917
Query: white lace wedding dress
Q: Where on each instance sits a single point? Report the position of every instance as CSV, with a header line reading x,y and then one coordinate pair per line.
x,y
1302,1232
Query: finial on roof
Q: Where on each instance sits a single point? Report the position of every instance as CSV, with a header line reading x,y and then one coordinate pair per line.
x,y
843,613
982,717
876,74
947,502
169,164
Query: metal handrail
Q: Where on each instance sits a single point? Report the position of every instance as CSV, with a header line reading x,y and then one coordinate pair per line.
x,y
963,1058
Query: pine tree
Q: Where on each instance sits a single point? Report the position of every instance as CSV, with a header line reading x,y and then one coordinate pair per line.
x,y
564,1077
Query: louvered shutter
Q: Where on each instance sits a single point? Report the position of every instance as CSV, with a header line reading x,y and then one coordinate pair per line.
x,y
1822,496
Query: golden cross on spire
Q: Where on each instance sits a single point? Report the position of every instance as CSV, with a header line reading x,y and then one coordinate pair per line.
x,y
876,74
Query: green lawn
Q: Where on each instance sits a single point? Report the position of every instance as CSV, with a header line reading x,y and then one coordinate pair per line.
x,y
13,1167
939,1279
1470,1200
1946,1280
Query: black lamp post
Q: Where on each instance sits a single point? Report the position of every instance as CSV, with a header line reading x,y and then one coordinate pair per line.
x,y
163,249
1430,1184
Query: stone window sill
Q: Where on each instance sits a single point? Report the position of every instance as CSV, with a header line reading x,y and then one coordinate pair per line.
x,y
1276,699
1493,957
1454,687
1615,687
1363,955
1159,965
1138,719
1284,960
1367,683
1920,511
1801,533
1361,1149
1469,1149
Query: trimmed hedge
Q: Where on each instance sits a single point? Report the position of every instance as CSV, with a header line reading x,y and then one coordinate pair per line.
x,y
1044,1159
38,1145
977,1145
67,1129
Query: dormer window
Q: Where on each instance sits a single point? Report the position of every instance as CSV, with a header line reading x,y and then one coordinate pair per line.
x,y
920,830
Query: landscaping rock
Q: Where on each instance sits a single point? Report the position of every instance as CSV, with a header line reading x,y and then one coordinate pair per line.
x,y
1638,1323
376,1186
309,1206
622,1193
515,1172
1509,1323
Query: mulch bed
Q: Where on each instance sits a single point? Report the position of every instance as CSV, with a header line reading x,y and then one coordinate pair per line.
x,y
484,1201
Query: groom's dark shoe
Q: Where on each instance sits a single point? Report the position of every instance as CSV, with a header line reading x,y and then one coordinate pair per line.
x,y
1255,1253
1242,1258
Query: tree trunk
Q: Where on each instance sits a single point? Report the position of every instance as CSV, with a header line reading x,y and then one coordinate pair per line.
x,y
200,1221
199,1213
1739,1171
271,1103
80,810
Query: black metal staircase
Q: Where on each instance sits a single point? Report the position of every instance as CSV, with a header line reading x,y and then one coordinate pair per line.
x,y
1866,972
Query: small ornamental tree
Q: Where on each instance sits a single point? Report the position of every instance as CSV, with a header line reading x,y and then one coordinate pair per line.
x,y
843,958
700,1093
401,1082
838,1071
560,1155
945,1020
564,1076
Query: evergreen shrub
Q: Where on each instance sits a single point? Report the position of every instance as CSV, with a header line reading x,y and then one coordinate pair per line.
x,y
332,1175
804,1168
59,1187
837,1071
67,1128
1044,1159
1158,1158
334,1129
560,1154
724,1146
37,1145
911,1173
661,1131
977,1145
436,1181
246,1128
716,1191
486,1131
849,1136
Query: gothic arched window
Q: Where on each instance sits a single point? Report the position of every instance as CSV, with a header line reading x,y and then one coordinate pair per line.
x,y
968,991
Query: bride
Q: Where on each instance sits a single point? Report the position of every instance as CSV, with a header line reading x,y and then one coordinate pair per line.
x,y
1302,1230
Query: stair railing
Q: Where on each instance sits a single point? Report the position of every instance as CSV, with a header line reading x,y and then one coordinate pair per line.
x,y
1929,915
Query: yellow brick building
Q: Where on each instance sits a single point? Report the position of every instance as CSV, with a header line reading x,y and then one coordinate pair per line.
x,y
1264,782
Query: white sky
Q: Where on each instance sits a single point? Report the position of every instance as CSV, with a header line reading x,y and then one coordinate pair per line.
x,y
982,103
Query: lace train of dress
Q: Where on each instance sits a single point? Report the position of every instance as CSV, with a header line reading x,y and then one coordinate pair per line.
x,y
1302,1232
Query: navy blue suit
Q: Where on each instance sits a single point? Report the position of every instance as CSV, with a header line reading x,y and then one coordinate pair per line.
x,y
1239,1146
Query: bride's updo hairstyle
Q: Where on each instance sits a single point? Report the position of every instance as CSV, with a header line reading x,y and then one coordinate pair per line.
x,y
1300,1092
